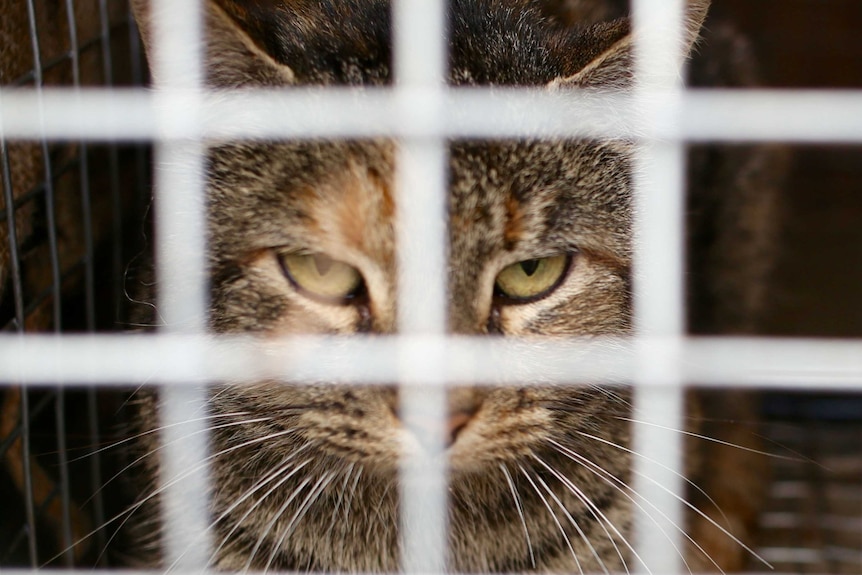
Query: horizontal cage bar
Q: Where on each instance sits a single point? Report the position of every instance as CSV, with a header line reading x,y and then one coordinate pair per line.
x,y
814,116
121,360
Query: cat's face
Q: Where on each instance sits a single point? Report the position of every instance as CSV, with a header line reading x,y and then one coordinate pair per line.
x,y
538,246
302,240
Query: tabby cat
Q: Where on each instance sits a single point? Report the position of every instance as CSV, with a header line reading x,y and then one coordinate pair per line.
x,y
301,239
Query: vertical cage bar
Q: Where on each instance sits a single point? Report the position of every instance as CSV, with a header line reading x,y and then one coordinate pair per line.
x,y
419,32
56,294
89,288
18,295
11,227
113,170
659,314
176,64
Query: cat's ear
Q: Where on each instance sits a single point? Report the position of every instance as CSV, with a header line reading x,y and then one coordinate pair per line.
x,y
235,55
610,50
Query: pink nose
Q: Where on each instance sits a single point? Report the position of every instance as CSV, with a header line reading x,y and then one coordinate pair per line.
x,y
425,428
462,405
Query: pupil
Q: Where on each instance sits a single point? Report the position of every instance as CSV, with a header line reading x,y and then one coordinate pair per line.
x,y
322,263
530,266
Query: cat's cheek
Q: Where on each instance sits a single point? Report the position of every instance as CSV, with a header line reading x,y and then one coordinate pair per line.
x,y
501,433
303,317
374,439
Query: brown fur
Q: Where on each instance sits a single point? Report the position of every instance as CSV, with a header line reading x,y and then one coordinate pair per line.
x,y
509,201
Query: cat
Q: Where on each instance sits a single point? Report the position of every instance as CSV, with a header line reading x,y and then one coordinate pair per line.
x,y
301,241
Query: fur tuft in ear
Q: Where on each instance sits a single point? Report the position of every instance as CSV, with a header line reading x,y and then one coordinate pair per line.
x,y
235,56
613,66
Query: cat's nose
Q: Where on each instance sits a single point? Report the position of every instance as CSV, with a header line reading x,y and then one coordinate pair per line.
x,y
456,422
425,428
462,405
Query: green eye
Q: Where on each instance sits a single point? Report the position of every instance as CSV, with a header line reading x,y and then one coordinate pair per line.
x,y
320,276
531,279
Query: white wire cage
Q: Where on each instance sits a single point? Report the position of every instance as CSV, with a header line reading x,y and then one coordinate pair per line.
x,y
179,116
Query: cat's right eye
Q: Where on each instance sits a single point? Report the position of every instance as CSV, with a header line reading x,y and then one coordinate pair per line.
x,y
321,277
533,279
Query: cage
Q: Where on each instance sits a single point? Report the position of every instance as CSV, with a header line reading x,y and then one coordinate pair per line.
x,y
66,241
75,210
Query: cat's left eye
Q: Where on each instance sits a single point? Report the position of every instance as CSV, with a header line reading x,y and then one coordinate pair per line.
x,y
320,276
533,279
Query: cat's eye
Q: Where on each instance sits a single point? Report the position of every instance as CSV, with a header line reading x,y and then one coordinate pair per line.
x,y
530,280
322,277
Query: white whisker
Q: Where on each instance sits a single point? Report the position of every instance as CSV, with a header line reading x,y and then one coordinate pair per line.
x,y
339,501
204,463
156,430
164,445
710,439
276,516
315,492
694,508
352,495
132,509
554,517
519,507
600,517
571,519
627,492
279,470
694,485
286,476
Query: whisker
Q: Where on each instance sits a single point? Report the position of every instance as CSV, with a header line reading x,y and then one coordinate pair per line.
x,y
163,445
801,457
694,485
554,517
600,517
104,485
273,521
571,519
519,507
710,439
280,468
352,495
150,432
625,490
596,468
341,496
205,462
709,519
316,490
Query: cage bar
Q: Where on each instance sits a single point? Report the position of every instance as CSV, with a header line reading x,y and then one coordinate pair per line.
x,y
658,297
118,361
696,115
419,53
177,66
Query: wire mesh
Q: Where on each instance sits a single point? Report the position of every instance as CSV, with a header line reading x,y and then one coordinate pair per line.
x,y
183,359
56,212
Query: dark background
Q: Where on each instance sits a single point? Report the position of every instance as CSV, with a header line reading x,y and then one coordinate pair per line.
x,y
818,278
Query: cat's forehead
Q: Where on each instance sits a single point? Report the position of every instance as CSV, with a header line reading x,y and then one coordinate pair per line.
x,y
502,195
538,195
